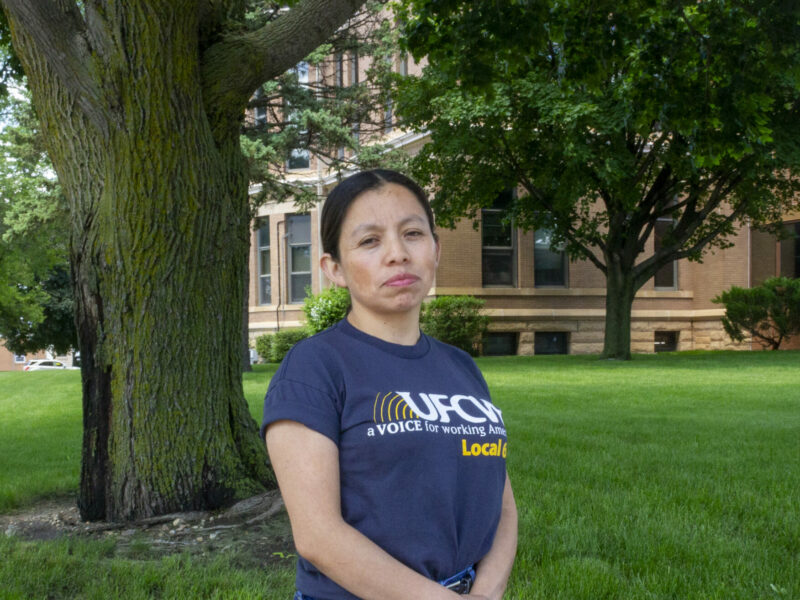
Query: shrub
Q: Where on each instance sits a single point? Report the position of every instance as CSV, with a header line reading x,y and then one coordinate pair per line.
x,y
326,308
455,320
263,343
283,340
769,312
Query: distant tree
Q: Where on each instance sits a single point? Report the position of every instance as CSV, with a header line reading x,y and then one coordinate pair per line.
x,y
56,330
141,104
768,313
613,118
36,306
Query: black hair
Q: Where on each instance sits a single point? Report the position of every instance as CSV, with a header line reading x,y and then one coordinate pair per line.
x,y
342,196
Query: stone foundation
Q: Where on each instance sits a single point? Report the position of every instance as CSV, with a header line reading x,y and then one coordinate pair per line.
x,y
586,335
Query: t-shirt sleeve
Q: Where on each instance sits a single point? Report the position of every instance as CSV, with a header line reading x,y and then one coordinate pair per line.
x,y
296,401
305,389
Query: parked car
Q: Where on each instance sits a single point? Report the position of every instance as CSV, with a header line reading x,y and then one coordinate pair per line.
x,y
44,365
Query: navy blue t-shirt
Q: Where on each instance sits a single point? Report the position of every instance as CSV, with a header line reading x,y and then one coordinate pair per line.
x,y
421,447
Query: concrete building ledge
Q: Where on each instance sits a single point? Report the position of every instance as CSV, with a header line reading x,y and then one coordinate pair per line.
x,y
282,308
600,314
497,291
259,328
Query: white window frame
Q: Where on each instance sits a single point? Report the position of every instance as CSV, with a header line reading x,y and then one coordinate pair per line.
x,y
264,223
497,249
289,246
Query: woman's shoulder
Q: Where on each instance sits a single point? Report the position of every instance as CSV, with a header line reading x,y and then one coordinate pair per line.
x,y
452,351
315,357
458,357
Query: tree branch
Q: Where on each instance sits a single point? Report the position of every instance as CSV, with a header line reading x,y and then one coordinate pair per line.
x,y
234,67
59,33
714,232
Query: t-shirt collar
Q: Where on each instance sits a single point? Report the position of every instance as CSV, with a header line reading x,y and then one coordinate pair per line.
x,y
416,351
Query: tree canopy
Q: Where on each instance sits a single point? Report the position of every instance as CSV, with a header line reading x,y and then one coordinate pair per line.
x,y
334,115
610,117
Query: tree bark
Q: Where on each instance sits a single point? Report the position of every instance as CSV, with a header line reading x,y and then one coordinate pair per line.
x,y
141,117
160,226
620,291
246,366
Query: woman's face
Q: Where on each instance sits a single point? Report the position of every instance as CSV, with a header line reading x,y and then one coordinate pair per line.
x,y
387,253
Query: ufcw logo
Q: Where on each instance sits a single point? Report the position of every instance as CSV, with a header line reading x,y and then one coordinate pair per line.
x,y
391,407
400,406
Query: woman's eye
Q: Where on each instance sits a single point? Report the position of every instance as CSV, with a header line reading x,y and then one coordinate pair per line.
x,y
368,241
413,233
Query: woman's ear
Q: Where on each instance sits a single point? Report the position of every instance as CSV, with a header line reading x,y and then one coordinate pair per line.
x,y
332,270
438,251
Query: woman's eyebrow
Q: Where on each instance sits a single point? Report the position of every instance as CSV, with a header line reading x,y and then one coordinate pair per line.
x,y
364,227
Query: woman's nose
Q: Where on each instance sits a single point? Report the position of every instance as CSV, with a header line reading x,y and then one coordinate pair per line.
x,y
396,251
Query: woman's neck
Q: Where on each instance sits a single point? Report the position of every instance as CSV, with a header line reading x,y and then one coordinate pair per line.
x,y
398,329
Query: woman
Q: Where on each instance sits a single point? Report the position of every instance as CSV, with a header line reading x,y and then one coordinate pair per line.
x,y
389,455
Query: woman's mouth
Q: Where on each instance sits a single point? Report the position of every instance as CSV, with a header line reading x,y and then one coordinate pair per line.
x,y
401,280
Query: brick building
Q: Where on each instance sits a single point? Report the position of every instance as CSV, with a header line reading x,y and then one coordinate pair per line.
x,y
538,301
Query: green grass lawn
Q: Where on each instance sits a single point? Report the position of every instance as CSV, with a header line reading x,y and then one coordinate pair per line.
x,y
670,476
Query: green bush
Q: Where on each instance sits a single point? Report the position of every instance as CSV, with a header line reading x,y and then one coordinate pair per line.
x,y
769,312
326,308
455,320
263,342
283,340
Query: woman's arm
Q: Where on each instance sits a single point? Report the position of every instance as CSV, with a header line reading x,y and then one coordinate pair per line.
x,y
306,464
491,573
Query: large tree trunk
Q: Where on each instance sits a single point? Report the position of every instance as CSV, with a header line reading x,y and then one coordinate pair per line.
x,y
246,366
159,247
620,291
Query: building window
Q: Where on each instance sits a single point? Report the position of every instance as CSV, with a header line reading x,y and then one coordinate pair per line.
x,y
549,262
499,247
301,70
403,67
388,107
339,82
298,239
353,68
667,276
550,342
339,70
299,158
264,272
260,110
790,252
500,344
388,115
19,359
666,341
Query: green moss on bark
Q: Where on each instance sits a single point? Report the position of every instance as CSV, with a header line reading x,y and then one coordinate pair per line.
x,y
159,223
